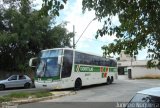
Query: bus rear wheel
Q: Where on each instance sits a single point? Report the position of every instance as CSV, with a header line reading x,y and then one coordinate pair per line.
x,y
78,84
108,81
111,80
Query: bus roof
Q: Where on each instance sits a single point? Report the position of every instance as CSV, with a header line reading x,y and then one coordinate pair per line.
x,y
77,51
57,49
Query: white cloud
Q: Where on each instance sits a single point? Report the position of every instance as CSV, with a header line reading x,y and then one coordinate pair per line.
x,y
142,54
37,4
72,13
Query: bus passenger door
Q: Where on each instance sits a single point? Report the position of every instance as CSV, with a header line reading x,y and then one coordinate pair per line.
x,y
67,67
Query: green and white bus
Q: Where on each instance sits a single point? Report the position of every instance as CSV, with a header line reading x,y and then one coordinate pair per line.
x,y
60,68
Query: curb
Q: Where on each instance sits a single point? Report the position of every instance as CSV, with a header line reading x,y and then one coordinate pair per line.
x,y
32,100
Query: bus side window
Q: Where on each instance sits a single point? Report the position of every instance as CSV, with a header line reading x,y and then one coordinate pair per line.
x,y
67,63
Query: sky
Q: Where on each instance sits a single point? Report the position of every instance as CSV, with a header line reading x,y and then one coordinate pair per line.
x,y
72,13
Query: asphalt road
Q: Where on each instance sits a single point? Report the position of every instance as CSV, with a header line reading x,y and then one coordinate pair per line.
x,y
99,96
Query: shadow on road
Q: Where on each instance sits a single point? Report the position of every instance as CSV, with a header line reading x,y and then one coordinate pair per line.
x,y
85,87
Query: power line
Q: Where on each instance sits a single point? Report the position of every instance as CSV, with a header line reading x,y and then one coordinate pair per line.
x,y
96,40
85,30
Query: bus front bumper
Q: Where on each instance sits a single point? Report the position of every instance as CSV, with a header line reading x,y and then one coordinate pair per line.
x,y
48,85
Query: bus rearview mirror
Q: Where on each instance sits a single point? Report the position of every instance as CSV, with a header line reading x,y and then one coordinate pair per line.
x,y
59,60
33,62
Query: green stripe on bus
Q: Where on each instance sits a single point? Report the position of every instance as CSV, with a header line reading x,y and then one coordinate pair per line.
x,y
112,69
87,68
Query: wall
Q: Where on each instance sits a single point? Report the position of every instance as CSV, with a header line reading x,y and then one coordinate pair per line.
x,y
125,57
143,71
133,63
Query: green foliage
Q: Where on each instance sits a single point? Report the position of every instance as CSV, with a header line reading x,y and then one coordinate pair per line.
x,y
139,24
52,7
24,32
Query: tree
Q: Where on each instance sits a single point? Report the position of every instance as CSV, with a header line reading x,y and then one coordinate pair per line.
x,y
24,32
52,7
139,25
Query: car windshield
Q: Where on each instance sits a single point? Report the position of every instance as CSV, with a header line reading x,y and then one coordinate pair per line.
x,y
144,101
48,65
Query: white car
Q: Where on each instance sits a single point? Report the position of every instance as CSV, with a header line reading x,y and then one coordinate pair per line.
x,y
149,98
16,81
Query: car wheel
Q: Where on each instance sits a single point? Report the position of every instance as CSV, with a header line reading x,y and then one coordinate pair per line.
x,y
27,85
2,87
78,84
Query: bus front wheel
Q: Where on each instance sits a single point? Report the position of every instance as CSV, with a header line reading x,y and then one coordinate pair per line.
x,y
78,84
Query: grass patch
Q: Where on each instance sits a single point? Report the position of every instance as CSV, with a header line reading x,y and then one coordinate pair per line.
x,y
19,95
151,76
24,95
5,99
42,94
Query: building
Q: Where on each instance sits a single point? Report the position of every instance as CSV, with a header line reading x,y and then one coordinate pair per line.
x,y
133,68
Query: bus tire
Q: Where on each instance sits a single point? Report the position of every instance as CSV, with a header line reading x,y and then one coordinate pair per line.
x,y
111,80
78,84
2,86
108,80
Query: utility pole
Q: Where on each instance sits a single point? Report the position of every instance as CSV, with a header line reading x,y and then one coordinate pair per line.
x,y
73,37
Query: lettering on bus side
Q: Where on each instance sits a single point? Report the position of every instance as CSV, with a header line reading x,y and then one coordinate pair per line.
x,y
86,69
81,68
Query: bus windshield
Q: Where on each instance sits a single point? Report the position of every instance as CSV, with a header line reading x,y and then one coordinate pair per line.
x,y
48,64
